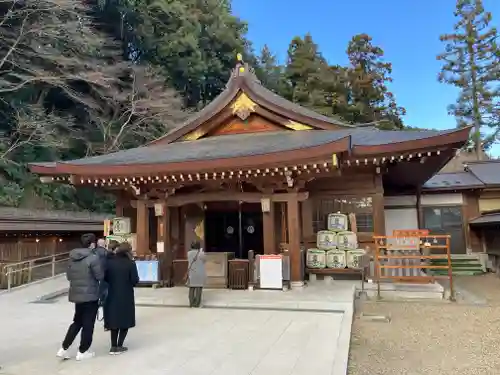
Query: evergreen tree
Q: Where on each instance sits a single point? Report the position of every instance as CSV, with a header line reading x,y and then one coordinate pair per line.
x,y
194,42
368,75
471,62
305,71
270,73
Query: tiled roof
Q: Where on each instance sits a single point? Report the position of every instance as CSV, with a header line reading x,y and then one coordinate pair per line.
x,y
486,171
238,145
453,181
493,218
476,175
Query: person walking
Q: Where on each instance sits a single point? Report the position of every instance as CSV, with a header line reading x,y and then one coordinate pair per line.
x,y
84,274
119,308
196,274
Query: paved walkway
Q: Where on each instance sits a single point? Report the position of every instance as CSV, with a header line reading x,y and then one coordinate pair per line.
x,y
34,291
244,333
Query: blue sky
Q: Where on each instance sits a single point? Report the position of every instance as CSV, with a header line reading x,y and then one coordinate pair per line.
x,y
407,30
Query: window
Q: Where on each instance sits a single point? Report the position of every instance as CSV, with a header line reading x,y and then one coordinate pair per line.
x,y
442,218
360,206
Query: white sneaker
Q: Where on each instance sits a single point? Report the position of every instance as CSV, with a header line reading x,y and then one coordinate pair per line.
x,y
82,356
63,354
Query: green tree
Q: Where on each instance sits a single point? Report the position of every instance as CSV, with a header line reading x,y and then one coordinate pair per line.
x,y
368,76
471,62
305,71
270,73
193,42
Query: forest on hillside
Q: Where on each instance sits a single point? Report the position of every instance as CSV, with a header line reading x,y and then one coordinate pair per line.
x,y
81,78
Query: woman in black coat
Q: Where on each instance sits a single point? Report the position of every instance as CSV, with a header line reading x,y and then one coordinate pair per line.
x,y
119,308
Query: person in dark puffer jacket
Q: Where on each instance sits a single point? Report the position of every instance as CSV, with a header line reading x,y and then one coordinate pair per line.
x,y
84,275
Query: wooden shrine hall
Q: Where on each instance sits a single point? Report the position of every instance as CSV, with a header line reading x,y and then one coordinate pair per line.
x,y
253,171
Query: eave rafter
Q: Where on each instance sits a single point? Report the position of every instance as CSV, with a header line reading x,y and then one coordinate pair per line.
x,y
335,155
317,169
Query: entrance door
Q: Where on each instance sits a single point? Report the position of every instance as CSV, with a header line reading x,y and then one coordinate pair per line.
x,y
252,233
222,231
447,220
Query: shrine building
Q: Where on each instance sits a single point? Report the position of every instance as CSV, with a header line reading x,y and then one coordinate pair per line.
x,y
254,171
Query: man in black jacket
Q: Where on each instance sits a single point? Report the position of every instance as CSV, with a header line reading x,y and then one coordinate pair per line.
x,y
84,275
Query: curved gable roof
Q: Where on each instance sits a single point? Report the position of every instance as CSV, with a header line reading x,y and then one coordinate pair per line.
x,y
243,79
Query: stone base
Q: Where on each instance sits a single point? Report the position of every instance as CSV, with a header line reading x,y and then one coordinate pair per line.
x,y
406,291
297,284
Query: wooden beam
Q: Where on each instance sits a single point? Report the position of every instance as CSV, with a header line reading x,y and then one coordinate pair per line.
x,y
225,196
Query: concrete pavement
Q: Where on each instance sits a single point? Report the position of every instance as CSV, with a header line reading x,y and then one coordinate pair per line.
x,y
240,333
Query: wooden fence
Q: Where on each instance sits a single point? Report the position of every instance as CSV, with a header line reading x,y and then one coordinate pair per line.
x,y
17,250
408,257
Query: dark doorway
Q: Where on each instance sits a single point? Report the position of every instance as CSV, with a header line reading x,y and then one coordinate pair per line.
x,y
447,220
234,228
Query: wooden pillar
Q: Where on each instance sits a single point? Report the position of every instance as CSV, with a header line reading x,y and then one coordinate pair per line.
x,y
175,233
294,241
269,229
164,229
120,205
307,221
378,208
167,257
142,230
419,208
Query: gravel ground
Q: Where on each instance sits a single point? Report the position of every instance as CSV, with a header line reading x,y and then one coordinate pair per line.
x,y
438,338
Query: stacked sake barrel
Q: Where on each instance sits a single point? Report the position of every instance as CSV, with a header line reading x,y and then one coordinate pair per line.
x,y
337,247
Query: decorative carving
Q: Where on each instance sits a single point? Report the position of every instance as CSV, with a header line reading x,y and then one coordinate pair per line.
x,y
251,126
243,106
136,190
199,230
297,126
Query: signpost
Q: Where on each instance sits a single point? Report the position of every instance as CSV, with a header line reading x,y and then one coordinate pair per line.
x,y
271,271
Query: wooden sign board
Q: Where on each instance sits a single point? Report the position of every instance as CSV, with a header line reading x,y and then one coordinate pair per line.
x,y
121,225
410,232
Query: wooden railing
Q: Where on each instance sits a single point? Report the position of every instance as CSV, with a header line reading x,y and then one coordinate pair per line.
x,y
25,272
408,257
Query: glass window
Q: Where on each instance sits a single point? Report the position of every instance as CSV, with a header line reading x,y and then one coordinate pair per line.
x,y
442,218
360,206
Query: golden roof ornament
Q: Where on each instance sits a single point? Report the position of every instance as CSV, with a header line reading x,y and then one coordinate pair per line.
x,y
243,69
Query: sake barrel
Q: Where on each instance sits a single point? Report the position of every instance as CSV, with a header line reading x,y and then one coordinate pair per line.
x,y
347,240
338,222
335,259
354,258
326,240
316,258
